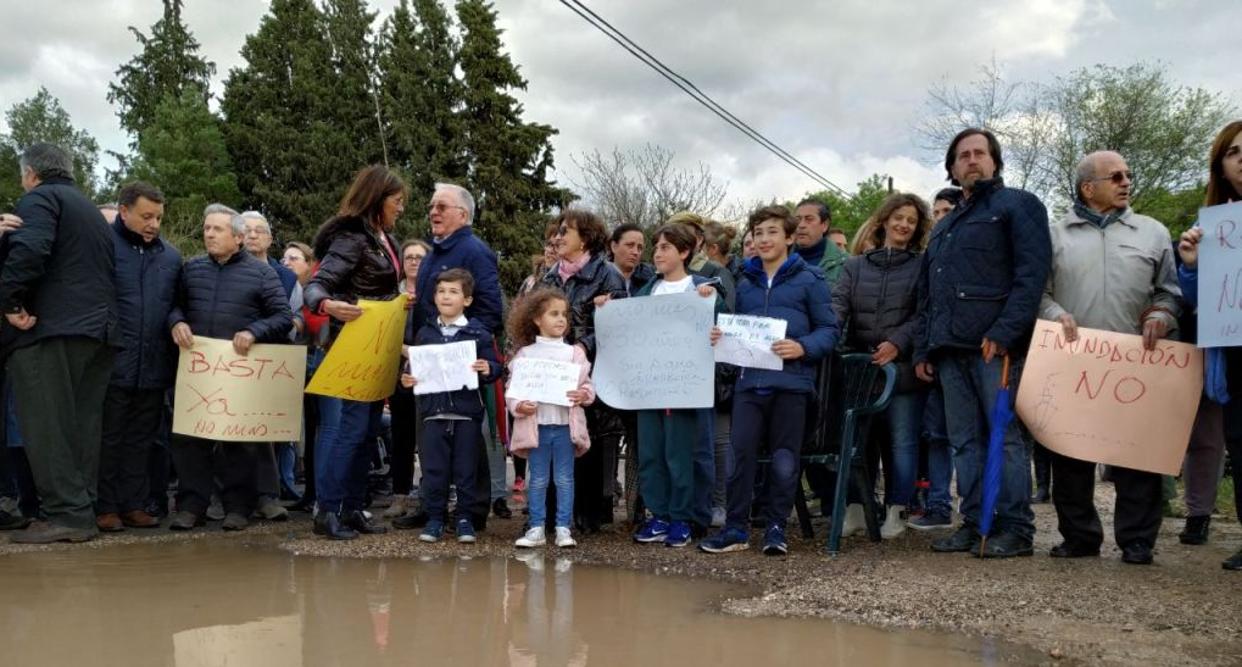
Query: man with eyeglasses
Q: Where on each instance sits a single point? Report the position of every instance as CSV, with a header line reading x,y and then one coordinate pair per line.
x,y
1112,269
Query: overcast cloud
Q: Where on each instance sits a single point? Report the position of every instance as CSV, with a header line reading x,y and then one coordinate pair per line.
x,y
839,84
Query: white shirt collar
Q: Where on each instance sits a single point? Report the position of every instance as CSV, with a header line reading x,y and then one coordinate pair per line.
x,y
461,321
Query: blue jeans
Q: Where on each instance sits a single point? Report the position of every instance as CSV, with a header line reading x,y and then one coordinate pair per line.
x,y
704,466
905,419
970,389
939,459
343,457
554,457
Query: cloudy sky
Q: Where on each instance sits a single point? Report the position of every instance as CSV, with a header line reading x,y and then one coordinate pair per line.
x,y
840,84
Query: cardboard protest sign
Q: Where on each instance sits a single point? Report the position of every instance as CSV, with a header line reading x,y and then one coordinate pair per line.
x,y
654,352
542,380
439,368
1220,276
222,395
746,340
363,361
1104,398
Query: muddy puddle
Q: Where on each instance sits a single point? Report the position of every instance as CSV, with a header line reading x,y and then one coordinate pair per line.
x,y
214,604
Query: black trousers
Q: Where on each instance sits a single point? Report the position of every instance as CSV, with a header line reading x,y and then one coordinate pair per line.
x,y
266,471
131,424
450,454
201,462
404,439
1137,514
777,419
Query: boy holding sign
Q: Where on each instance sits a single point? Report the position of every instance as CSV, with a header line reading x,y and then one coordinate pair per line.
x,y
771,404
452,419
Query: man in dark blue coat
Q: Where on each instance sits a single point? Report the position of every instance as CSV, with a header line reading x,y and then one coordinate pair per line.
x,y
454,246
60,305
226,294
146,285
979,290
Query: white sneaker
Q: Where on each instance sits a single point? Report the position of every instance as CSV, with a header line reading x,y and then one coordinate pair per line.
x,y
398,507
533,538
894,524
855,521
718,517
564,539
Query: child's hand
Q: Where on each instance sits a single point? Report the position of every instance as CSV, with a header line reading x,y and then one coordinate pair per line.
x,y
601,300
788,349
408,381
576,396
715,335
706,291
479,366
526,408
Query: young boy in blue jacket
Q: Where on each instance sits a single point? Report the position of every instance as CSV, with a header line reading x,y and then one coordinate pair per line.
x,y
770,405
452,420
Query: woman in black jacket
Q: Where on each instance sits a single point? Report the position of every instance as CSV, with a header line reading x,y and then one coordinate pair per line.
x,y
583,272
875,297
359,261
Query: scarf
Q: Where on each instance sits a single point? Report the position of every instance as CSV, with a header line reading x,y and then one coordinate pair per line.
x,y
566,269
1096,218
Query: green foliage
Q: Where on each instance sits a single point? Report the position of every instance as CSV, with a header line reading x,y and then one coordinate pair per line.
x,y
509,158
168,65
1177,210
10,177
42,119
850,213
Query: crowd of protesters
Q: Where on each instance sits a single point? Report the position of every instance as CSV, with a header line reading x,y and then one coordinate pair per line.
x,y
97,304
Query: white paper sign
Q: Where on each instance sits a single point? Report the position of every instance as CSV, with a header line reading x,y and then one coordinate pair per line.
x,y
746,340
542,380
1220,276
446,367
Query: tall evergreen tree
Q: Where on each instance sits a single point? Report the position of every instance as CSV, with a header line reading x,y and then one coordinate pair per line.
x,y
355,107
292,118
509,158
168,65
421,97
42,118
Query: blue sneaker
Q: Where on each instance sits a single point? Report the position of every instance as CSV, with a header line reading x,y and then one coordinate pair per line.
x,y
432,532
774,541
729,539
678,535
465,531
652,531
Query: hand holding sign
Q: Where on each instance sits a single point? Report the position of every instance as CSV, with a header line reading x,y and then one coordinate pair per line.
x,y
544,381
749,341
449,367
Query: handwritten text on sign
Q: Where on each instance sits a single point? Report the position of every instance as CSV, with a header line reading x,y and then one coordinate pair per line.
x,y
746,340
362,363
1220,276
1104,398
654,352
440,368
222,395
542,380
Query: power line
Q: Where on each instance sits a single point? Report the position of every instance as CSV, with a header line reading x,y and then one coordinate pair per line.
x,y
694,92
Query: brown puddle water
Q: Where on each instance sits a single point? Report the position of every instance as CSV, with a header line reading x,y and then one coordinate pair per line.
x,y
214,604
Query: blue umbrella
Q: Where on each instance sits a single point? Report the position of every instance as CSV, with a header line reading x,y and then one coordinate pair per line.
x,y
1002,414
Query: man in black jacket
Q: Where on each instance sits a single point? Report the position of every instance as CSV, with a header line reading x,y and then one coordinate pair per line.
x,y
146,285
58,298
225,294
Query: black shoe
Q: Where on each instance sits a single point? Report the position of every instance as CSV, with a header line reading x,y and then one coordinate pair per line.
x,y
479,521
305,504
1067,550
1041,495
1196,530
359,522
411,521
1233,562
963,539
1136,553
501,509
329,525
1007,545
13,521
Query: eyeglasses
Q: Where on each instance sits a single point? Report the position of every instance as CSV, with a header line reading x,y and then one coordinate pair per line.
x,y
1117,177
439,207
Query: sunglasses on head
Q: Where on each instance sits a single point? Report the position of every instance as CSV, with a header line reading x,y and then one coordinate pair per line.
x,y
1117,177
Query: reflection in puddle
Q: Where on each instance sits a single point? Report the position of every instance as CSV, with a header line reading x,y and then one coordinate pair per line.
x,y
210,604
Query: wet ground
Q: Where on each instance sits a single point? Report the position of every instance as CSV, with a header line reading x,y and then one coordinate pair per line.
x,y
242,602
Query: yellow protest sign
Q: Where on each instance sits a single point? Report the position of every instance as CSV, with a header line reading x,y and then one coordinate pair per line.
x,y
222,395
363,361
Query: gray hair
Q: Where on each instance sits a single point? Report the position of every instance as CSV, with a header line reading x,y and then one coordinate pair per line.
x,y
467,200
47,161
1083,174
255,215
235,219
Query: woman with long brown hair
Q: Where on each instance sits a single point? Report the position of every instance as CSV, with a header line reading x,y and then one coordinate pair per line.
x,y
358,261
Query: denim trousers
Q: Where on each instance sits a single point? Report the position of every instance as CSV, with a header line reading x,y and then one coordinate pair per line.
x,y
970,387
779,419
905,418
939,454
343,455
553,458
704,467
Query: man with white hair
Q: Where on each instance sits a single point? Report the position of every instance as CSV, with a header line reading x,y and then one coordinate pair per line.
x,y
226,294
1112,269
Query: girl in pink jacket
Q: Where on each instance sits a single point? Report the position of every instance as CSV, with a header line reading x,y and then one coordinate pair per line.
x,y
548,435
